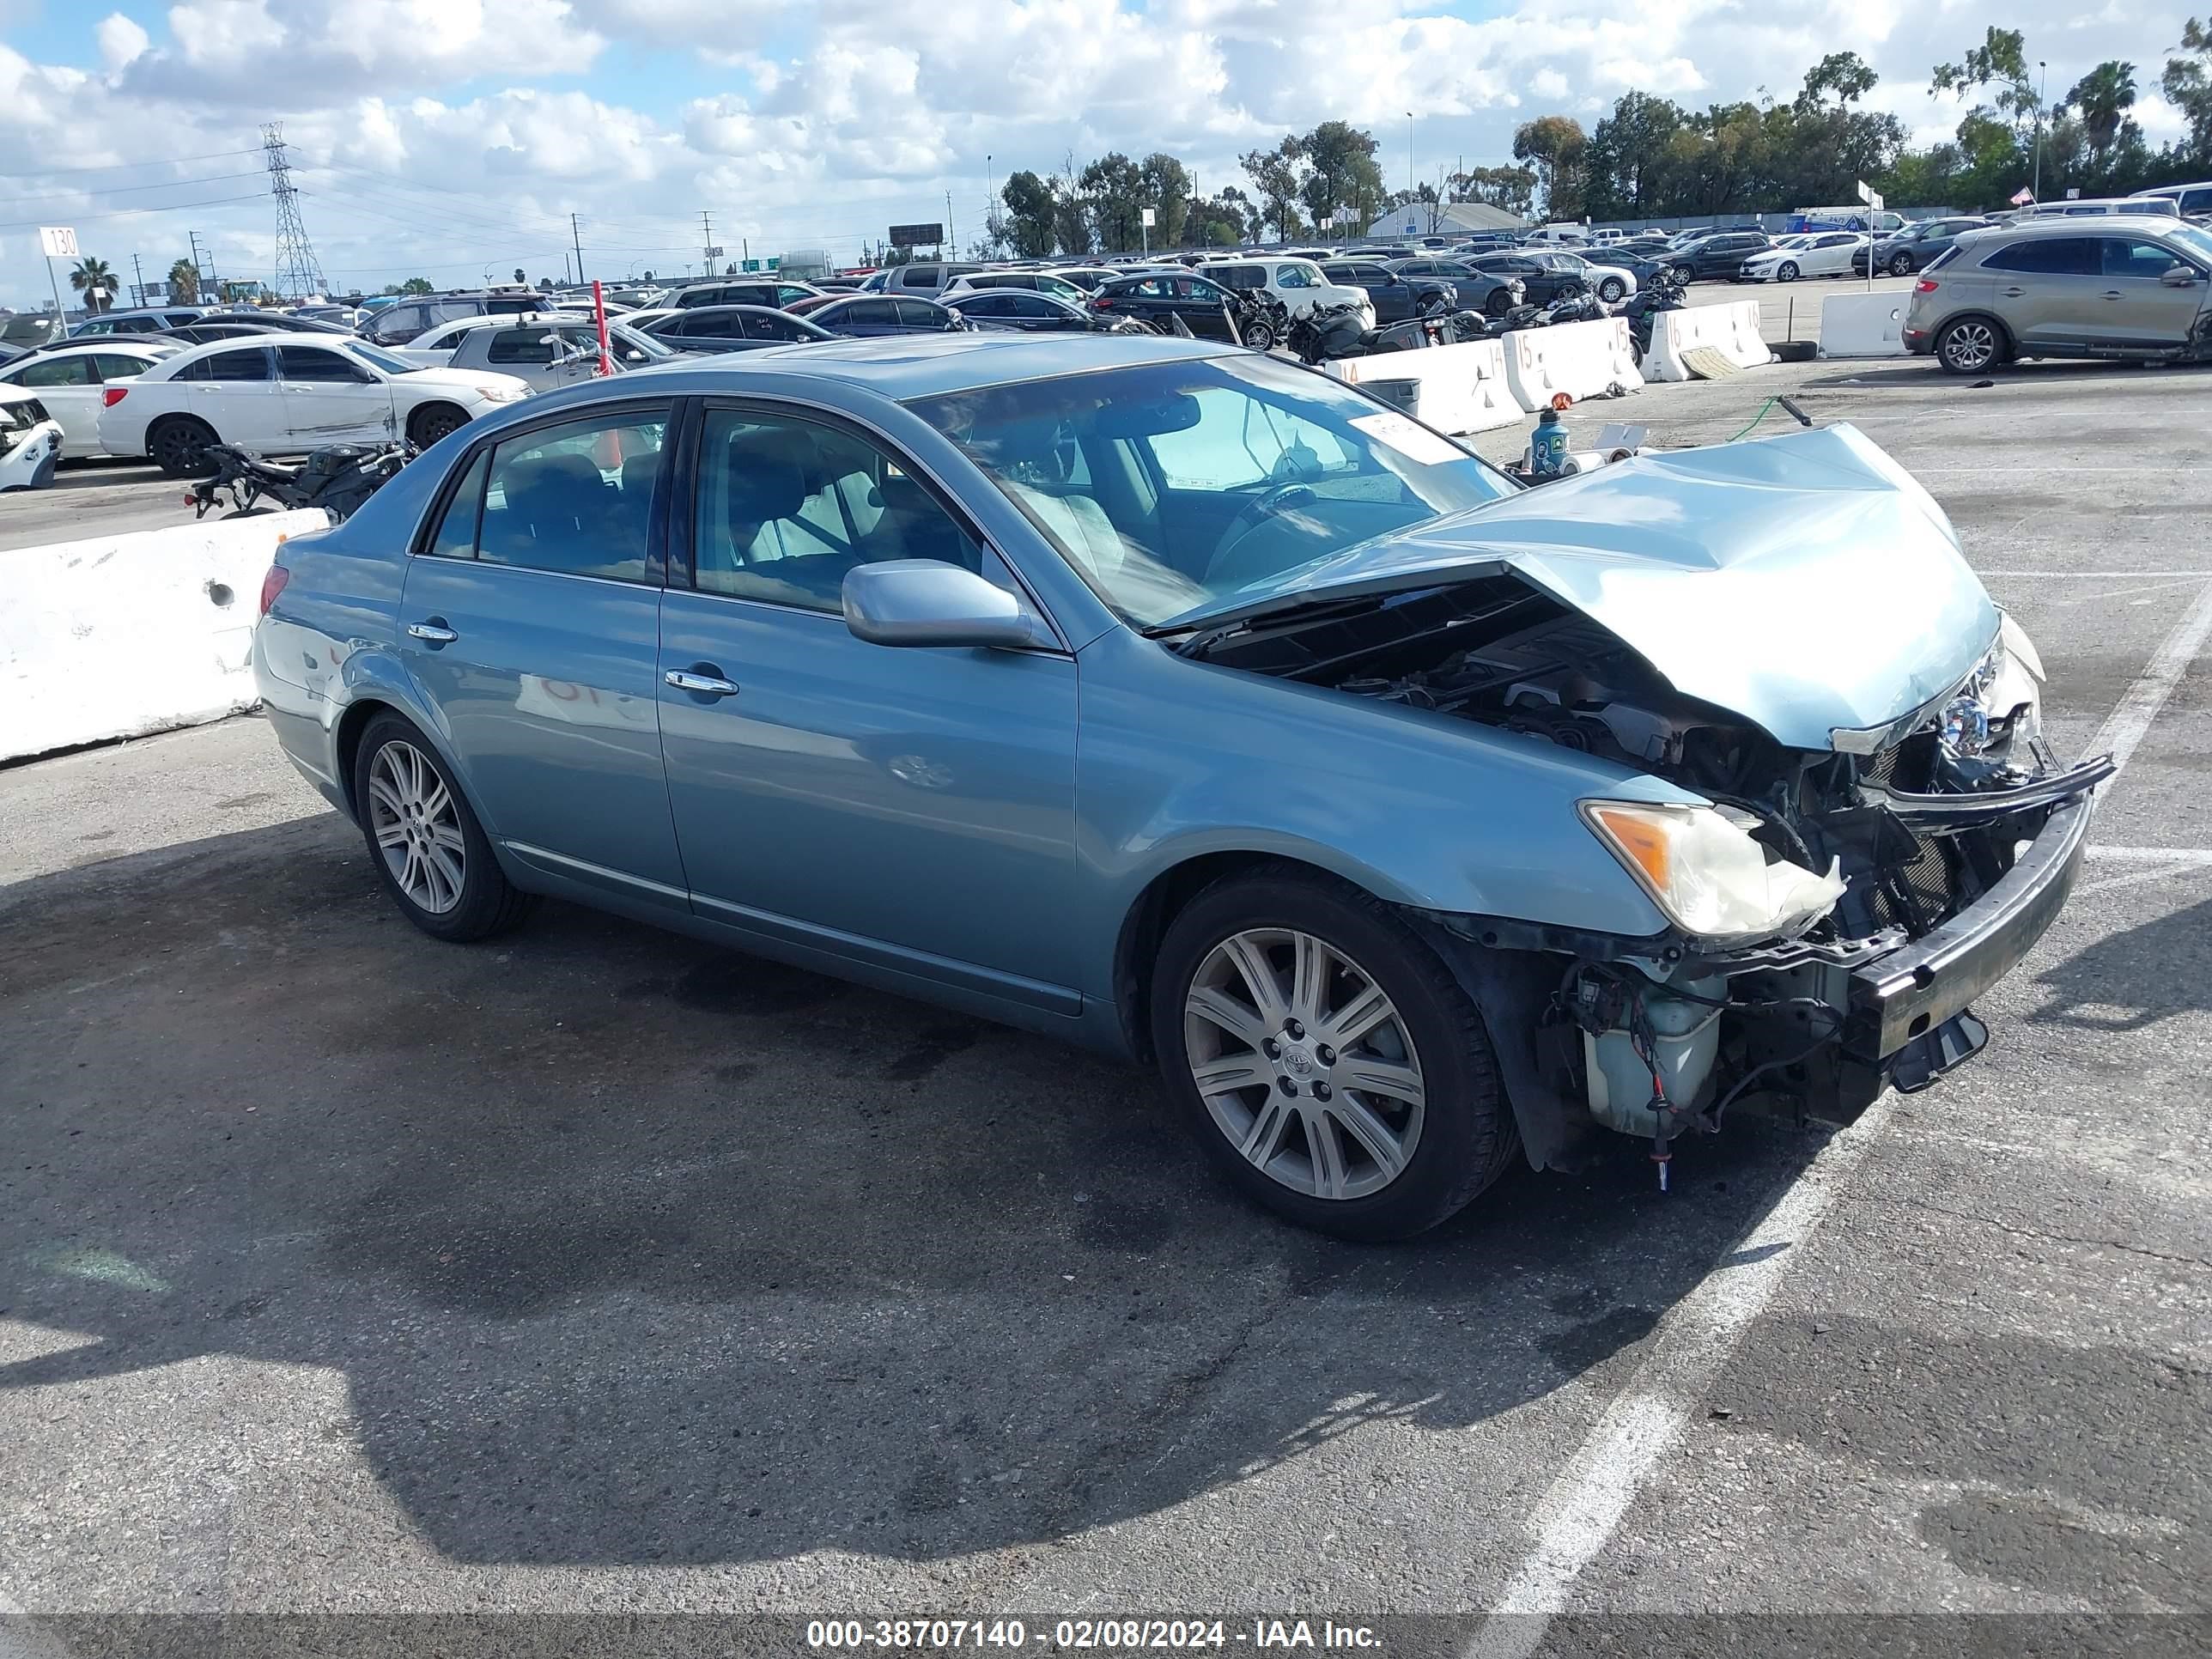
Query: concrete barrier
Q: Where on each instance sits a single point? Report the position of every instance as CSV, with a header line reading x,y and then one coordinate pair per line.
x,y
1582,360
1453,388
1729,331
124,635
1863,325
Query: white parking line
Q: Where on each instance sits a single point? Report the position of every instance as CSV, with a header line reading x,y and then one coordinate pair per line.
x,y
2098,576
2151,855
1700,1335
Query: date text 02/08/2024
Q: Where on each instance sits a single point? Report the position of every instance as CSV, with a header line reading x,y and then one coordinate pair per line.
x,y
1079,1635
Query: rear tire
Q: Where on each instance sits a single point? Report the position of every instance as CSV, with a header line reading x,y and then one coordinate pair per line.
x,y
1261,336
1970,345
1611,290
423,839
1684,276
178,444
1379,1139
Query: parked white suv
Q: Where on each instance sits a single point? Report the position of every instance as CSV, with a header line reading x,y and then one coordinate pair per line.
x,y
1298,283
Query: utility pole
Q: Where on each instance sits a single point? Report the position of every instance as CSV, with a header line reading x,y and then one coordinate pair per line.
x,y
1410,187
138,288
706,247
2036,188
578,236
948,226
204,263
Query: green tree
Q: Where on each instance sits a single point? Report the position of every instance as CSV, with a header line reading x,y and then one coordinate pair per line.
x,y
184,282
1029,199
1557,148
1998,67
1167,192
1071,214
93,279
1629,159
1113,190
423,285
2111,142
1276,175
2186,81
1340,171
1513,189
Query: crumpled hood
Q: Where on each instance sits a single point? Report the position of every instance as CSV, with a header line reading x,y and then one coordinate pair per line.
x,y
1805,582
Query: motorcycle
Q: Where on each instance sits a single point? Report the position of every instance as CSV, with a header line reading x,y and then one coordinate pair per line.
x,y
1662,293
1329,333
1573,303
337,479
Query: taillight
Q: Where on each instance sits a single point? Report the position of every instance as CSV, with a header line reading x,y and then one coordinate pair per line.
x,y
272,585
1926,285
113,395
1102,303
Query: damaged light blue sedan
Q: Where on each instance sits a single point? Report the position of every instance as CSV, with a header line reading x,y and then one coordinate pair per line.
x,y
1195,707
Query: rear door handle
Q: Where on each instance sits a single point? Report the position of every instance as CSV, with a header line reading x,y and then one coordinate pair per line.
x,y
432,632
704,685
2012,292
2111,294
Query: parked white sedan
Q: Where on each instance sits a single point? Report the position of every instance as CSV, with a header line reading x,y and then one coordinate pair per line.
x,y
1818,253
70,377
285,395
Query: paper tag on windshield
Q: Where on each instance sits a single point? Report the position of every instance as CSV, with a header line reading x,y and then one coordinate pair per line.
x,y
1410,439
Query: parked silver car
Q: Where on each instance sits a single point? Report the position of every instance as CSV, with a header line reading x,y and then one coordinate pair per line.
x,y
551,353
2120,287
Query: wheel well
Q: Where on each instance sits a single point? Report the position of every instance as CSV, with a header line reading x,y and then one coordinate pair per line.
x,y
1156,909
351,725
174,418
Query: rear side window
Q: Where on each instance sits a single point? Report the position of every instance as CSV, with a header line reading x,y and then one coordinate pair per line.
x,y
75,370
116,367
457,531
1240,276
918,277
2049,256
252,365
575,499
520,346
2198,200
1947,257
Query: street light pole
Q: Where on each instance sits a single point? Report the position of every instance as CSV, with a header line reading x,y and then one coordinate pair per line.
x,y
1409,153
2036,188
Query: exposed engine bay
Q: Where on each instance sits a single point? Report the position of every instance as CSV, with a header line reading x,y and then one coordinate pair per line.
x,y
1882,838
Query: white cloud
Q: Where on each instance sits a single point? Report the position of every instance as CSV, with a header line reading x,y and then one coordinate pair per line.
x,y
122,41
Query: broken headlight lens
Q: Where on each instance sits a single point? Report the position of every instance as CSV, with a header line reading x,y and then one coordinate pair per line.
x,y
1706,874
2006,686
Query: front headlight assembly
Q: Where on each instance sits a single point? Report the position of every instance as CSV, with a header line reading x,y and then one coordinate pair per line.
x,y
1707,875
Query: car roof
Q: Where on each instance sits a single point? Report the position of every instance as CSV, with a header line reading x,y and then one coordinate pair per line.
x,y
157,344
2059,224
905,366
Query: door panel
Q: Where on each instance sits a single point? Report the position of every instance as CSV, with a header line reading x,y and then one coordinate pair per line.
x,y
910,807
2141,312
327,400
239,397
543,673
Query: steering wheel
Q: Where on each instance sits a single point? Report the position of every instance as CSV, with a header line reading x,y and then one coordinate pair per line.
x,y
1255,512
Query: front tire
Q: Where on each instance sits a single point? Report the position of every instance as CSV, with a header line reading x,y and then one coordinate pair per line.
x,y
1331,1066
424,842
1900,265
1261,336
1684,276
1785,272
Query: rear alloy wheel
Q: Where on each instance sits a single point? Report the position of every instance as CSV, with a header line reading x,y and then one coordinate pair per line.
x,y
1901,265
1786,271
1968,346
178,446
1330,1065
424,842
1611,290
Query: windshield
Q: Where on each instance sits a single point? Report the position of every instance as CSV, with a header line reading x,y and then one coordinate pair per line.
x,y
2195,238
380,358
1174,486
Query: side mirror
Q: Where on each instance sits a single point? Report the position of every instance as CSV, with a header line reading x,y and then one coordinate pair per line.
x,y
928,602
2179,276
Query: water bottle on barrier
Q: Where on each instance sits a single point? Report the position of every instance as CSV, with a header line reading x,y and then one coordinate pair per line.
x,y
1548,445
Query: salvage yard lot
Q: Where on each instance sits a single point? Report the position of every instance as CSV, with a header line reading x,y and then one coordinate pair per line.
x,y
598,1271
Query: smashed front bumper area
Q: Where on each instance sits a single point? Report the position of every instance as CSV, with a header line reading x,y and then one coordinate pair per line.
x,y
1659,1037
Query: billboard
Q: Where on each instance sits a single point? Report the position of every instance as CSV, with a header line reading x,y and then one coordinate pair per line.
x,y
917,236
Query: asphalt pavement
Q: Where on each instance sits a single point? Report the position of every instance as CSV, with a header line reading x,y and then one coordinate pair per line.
x,y
594,1273
101,498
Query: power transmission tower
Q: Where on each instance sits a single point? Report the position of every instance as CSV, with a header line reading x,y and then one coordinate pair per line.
x,y
297,272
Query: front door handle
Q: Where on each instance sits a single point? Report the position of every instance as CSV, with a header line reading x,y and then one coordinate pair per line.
x,y
432,632
2012,292
704,685
2111,294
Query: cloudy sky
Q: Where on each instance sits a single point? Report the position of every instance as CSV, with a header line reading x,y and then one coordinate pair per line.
x,y
451,138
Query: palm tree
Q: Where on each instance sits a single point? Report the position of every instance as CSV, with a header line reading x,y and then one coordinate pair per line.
x,y
91,274
184,282
2104,95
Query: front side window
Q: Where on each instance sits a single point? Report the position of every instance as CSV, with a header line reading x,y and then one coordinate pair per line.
x,y
75,370
533,346
307,363
925,313
1295,276
988,304
1206,293
1298,467
920,276
576,499
786,507
2131,256
873,312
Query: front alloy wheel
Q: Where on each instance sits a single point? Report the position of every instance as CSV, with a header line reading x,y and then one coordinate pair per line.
x,y
1901,265
1304,1063
1786,272
1327,1061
